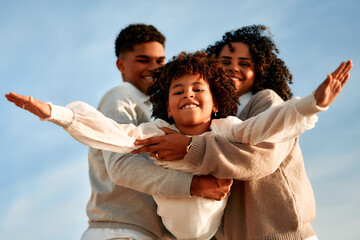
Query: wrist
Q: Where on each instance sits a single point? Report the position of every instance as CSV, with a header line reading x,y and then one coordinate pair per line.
x,y
194,185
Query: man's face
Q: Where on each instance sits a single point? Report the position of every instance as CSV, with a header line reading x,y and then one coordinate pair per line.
x,y
136,66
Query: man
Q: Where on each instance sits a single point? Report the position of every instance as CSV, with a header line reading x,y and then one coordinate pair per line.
x,y
121,205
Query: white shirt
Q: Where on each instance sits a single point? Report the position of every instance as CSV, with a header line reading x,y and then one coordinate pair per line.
x,y
244,99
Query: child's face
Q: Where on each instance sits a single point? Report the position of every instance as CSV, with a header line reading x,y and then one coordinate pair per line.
x,y
190,104
136,66
238,64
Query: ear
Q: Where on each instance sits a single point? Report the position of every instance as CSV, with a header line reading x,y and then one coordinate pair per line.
x,y
120,65
168,110
215,107
215,110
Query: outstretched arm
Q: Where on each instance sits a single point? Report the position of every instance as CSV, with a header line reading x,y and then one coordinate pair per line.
x,y
87,125
33,105
173,145
204,186
326,93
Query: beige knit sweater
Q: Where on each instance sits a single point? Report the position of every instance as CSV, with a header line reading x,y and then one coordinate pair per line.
x,y
272,197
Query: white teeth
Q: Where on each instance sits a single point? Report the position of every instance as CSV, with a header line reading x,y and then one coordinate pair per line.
x,y
148,78
237,79
189,106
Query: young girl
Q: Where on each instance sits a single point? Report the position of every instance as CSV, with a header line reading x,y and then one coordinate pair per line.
x,y
192,95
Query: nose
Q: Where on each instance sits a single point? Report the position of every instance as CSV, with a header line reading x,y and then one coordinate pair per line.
x,y
189,94
153,65
233,67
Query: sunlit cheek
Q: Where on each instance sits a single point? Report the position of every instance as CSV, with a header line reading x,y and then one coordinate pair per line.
x,y
237,86
251,75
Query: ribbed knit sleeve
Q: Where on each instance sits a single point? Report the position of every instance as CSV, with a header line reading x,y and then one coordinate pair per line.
x,y
307,105
61,116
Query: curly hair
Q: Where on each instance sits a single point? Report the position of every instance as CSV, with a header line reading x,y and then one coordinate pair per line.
x,y
270,71
136,34
221,85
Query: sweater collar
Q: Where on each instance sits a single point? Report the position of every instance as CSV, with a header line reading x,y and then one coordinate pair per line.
x,y
244,99
139,94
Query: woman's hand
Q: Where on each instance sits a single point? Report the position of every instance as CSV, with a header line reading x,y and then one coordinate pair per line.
x,y
326,93
207,186
172,146
33,105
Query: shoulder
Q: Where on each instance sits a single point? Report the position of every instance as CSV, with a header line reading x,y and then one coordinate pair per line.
x,y
160,123
224,127
260,102
267,96
123,104
121,92
123,96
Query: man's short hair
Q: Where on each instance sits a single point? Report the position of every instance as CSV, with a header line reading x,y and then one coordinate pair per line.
x,y
136,34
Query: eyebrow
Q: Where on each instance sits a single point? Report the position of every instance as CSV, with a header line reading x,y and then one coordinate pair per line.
x,y
240,58
146,56
180,84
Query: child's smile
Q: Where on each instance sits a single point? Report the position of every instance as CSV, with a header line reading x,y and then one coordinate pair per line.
x,y
190,104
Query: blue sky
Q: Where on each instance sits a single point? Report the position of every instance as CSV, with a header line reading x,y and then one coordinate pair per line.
x,y
62,51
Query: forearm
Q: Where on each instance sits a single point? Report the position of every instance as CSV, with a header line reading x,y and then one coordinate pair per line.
x,y
223,159
91,128
277,124
141,174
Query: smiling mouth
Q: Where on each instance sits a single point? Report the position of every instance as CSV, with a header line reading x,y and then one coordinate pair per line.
x,y
189,106
148,78
236,79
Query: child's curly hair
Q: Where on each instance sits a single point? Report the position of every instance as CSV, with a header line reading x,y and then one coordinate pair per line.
x,y
221,86
136,34
270,71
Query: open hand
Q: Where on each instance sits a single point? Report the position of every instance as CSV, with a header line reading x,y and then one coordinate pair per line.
x,y
326,93
33,105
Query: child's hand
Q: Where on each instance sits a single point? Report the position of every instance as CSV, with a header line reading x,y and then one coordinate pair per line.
x,y
326,93
37,107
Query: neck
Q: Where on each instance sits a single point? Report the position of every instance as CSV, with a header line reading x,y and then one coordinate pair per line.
x,y
194,129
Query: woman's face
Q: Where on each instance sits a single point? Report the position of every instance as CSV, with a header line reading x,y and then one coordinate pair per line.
x,y
239,65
